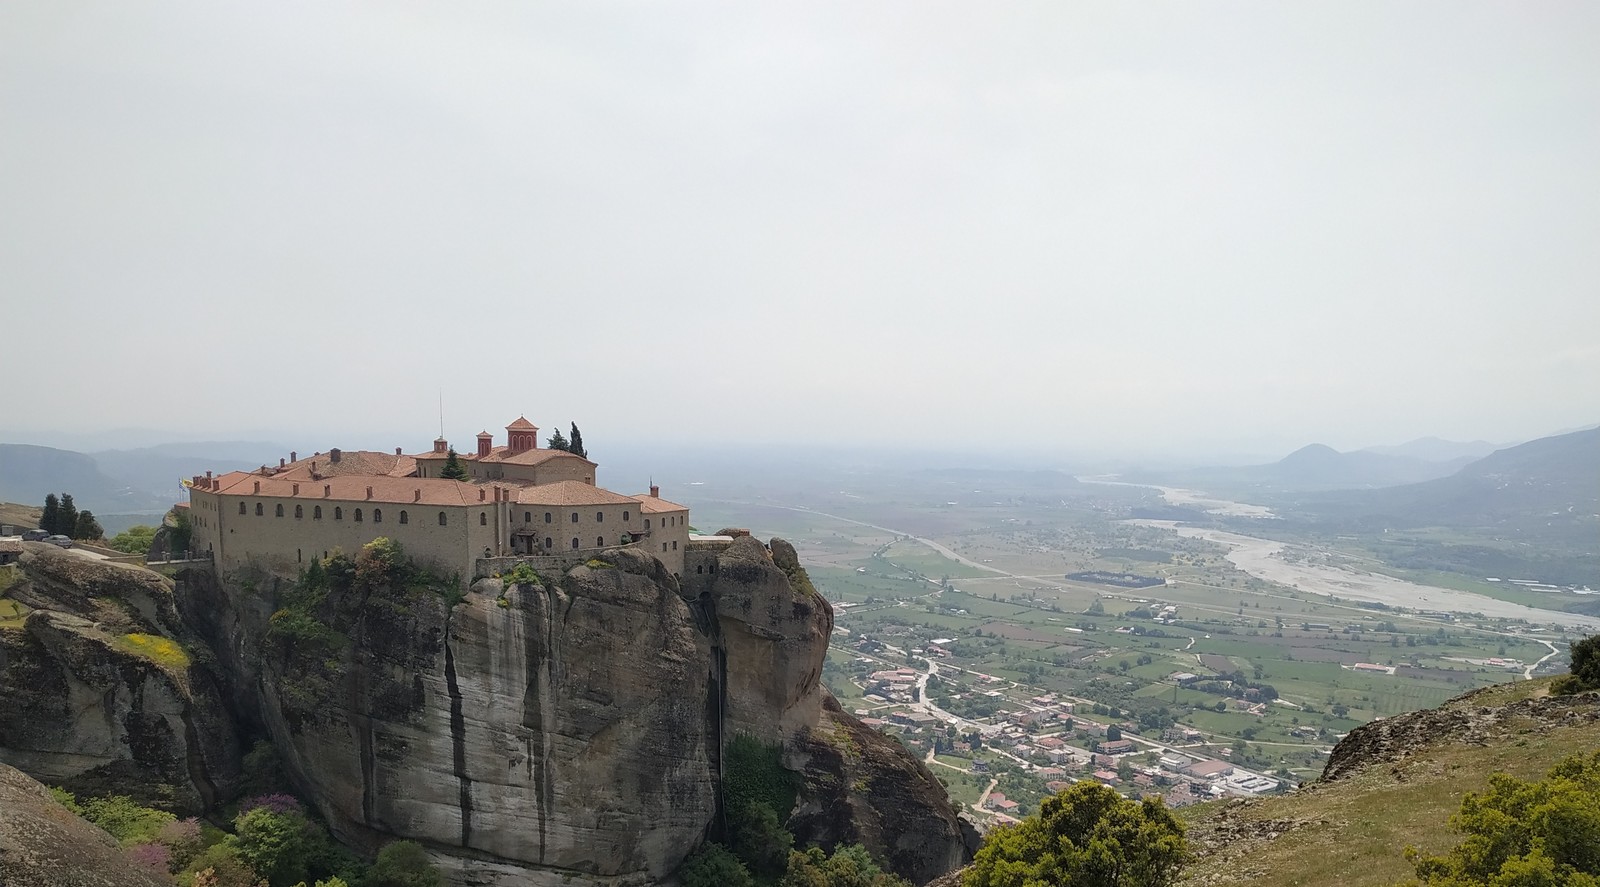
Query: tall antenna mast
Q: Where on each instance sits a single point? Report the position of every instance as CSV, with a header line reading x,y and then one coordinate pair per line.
x,y
441,412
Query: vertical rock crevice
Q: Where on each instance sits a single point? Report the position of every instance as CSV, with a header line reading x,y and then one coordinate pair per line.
x,y
458,740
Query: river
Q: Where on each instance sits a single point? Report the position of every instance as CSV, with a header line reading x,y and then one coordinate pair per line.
x,y
1263,559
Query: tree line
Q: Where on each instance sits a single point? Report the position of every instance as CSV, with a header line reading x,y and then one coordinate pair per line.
x,y
62,518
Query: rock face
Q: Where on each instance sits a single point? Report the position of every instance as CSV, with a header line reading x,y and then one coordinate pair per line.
x,y
41,842
98,691
566,730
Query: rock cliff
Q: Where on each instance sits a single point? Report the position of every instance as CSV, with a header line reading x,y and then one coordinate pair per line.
x,y
566,729
102,689
41,842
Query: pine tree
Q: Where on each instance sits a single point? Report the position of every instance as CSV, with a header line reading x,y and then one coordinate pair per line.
x,y
558,442
453,469
68,521
576,446
52,514
87,527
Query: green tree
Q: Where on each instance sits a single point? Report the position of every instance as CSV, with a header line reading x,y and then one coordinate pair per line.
x,y
713,866
51,519
575,445
1525,834
1585,667
182,531
557,441
453,469
1113,733
1086,836
277,846
68,521
134,540
125,820
87,528
219,866
849,866
403,864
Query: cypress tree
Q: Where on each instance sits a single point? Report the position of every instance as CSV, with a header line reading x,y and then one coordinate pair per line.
x,y
558,441
68,521
87,527
575,447
52,514
453,468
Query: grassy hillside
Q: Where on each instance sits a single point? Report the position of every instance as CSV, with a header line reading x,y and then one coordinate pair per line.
x,y
1353,832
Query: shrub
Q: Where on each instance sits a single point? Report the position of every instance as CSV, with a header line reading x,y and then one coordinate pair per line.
x,y
713,866
219,865
1525,833
125,820
1087,836
1585,668
155,858
403,864
183,840
849,866
276,803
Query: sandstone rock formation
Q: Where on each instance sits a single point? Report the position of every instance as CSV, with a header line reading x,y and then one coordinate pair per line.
x,y
98,692
41,842
567,730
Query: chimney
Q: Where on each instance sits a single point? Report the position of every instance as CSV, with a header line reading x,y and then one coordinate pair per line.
x,y
482,494
327,490
280,463
369,492
417,497
485,443
293,456
655,492
208,475
196,481
440,445
258,486
397,451
296,491
333,455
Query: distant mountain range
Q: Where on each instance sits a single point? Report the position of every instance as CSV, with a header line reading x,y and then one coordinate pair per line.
x,y
141,481
1321,467
1434,449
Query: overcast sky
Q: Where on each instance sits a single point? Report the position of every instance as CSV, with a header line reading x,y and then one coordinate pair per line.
x,y
1100,228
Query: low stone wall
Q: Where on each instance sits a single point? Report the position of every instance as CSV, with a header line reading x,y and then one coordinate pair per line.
x,y
546,564
111,554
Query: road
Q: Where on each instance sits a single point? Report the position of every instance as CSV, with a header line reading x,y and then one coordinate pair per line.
x,y
1527,673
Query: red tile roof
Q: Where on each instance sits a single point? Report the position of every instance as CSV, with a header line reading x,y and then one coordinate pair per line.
x,y
387,490
571,492
522,424
657,505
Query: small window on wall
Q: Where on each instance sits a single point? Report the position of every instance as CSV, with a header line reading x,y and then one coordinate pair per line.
x,y
316,512
548,517
241,508
574,543
338,513
647,523
377,515
443,521
297,557
527,517
599,542
299,511
574,517
674,545
549,543
278,510
599,517
483,518
663,546
260,510
404,518
625,517
358,515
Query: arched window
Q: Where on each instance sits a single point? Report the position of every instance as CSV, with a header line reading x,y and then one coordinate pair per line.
x,y
278,510
699,568
377,515
574,517
483,518
599,517
547,517
241,508
443,521
316,512
599,542
527,517
548,543
358,515
625,517
338,512
404,518
574,543
260,510
647,523
299,511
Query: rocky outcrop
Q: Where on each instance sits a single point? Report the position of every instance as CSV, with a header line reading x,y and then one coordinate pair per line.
x,y
1461,720
101,692
42,842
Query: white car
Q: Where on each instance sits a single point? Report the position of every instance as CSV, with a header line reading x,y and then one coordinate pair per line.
x,y
63,541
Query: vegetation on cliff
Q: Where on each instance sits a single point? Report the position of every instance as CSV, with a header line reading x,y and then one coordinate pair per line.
x,y
1585,668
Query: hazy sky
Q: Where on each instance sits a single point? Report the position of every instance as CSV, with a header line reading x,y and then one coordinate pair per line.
x,y
1117,226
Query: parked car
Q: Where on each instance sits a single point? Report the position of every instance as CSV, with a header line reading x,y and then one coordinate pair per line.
x,y
63,541
34,535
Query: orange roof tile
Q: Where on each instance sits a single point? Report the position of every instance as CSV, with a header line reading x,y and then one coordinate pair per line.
x,y
353,488
353,462
570,492
656,505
